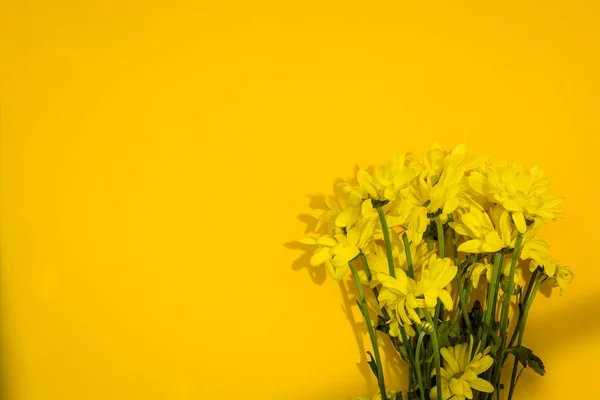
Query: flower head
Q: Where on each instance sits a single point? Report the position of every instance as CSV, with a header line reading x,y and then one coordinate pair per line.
x,y
460,372
524,193
437,274
484,237
476,270
388,181
559,275
336,251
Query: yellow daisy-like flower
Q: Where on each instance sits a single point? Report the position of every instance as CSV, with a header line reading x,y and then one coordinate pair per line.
x,y
398,294
484,268
388,181
460,372
329,213
378,264
484,236
336,251
442,182
437,274
420,256
559,275
525,193
534,247
354,213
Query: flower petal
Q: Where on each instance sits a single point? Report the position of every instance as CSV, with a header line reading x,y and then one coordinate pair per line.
x,y
482,385
471,246
519,220
320,256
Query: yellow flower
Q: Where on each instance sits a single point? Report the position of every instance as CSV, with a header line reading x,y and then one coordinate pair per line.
x,y
524,193
378,264
484,236
398,294
560,275
442,181
437,274
534,247
420,256
328,214
354,213
460,372
337,250
388,181
459,158
478,269
394,327
519,279
430,164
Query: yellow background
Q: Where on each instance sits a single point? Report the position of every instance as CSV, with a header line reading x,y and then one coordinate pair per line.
x,y
156,156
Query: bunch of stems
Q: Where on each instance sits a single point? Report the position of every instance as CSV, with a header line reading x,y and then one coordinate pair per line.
x,y
423,349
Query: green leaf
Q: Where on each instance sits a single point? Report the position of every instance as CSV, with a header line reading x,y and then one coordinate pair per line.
x,y
447,331
537,365
399,396
521,353
528,359
373,365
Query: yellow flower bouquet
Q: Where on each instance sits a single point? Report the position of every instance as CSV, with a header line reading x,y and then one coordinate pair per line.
x,y
424,238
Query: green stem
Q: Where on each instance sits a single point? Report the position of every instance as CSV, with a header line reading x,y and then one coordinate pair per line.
x,y
409,264
386,316
491,295
505,309
372,335
521,330
439,309
369,275
408,348
388,243
461,294
523,302
436,354
440,232
418,365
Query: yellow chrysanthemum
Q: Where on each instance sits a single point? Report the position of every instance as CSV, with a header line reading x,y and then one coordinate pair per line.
x,y
483,236
442,182
437,274
398,294
378,264
404,295
460,372
336,251
420,256
524,193
329,213
559,275
388,181
476,270
354,213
